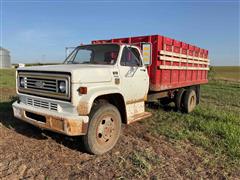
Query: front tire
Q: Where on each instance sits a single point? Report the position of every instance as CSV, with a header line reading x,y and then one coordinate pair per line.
x,y
104,128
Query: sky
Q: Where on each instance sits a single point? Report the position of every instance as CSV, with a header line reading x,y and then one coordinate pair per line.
x,y
39,31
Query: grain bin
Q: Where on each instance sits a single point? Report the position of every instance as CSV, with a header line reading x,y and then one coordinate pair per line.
x,y
5,60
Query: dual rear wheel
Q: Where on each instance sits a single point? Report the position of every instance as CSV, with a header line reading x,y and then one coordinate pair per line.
x,y
186,100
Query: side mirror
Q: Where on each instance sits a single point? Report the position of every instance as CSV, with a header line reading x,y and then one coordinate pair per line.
x,y
147,53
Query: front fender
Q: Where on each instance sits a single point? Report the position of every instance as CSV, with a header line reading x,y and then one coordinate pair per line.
x,y
86,101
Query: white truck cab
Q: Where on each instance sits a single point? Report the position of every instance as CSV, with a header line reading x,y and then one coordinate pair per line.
x,y
95,90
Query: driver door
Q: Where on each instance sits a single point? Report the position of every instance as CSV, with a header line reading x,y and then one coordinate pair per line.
x,y
134,76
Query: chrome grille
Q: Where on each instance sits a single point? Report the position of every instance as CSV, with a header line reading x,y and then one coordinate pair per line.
x,y
41,104
42,84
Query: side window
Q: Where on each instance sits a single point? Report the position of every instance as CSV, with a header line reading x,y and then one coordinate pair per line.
x,y
130,57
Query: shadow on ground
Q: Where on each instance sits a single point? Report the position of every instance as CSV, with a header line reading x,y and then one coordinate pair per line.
x,y
9,121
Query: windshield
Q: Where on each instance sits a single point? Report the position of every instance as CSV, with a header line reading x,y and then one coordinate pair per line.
x,y
94,54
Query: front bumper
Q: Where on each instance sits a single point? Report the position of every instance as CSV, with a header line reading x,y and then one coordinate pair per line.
x,y
65,123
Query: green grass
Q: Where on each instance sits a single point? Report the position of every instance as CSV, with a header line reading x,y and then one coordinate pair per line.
x,y
143,162
7,78
227,72
213,125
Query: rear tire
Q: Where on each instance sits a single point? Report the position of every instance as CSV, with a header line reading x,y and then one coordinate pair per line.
x,y
179,99
189,100
104,128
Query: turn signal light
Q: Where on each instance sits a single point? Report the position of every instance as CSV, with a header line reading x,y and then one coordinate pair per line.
x,y
82,90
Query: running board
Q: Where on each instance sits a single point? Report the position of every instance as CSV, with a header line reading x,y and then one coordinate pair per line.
x,y
138,117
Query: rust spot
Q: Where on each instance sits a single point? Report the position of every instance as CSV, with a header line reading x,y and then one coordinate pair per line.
x,y
66,126
134,101
154,87
74,127
82,108
56,124
84,127
145,97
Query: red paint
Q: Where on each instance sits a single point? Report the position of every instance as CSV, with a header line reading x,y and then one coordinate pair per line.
x,y
164,79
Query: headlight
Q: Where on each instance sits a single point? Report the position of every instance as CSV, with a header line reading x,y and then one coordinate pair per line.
x,y
62,86
21,82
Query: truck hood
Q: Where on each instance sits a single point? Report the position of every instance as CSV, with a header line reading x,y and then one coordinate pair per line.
x,y
80,73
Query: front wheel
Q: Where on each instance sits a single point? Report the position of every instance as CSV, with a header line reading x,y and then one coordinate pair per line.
x,y
104,129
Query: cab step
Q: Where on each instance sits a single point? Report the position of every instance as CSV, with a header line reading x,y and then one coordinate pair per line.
x,y
138,117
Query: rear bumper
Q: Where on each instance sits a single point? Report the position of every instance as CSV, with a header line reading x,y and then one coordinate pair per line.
x,y
64,123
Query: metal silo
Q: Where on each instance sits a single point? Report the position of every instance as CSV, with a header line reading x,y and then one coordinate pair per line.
x,y
5,60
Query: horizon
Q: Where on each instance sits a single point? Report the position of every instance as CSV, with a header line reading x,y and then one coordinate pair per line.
x,y
39,31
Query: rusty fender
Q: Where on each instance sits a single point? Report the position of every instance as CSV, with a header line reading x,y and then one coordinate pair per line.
x,y
82,108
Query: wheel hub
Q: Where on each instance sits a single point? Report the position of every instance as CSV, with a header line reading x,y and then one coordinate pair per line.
x,y
192,103
105,130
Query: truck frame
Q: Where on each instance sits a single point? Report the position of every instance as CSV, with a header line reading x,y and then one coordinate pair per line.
x,y
106,83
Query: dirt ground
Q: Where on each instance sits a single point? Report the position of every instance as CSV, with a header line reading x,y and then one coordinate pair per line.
x,y
27,152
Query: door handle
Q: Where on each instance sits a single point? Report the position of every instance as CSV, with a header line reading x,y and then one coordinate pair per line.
x,y
142,69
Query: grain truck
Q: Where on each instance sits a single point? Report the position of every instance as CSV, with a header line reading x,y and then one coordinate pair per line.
x,y
107,83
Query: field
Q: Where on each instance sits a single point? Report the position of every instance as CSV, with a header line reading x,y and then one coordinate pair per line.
x,y
169,145
231,73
